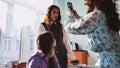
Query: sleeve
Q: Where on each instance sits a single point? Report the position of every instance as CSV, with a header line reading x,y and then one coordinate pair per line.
x,y
41,29
67,45
84,25
34,63
69,18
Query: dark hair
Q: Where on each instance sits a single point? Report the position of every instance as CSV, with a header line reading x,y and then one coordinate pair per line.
x,y
48,14
48,20
45,43
110,10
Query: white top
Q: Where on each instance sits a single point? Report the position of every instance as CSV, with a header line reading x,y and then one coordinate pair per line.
x,y
65,40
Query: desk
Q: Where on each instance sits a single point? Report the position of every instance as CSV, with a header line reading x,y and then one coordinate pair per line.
x,y
81,56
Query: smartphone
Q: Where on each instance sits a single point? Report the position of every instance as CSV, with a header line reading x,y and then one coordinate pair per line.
x,y
70,6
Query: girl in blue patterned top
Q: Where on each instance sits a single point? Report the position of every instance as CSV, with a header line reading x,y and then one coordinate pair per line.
x,y
102,25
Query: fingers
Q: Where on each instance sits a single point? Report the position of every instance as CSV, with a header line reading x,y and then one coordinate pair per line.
x,y
73,12
70,11
75,62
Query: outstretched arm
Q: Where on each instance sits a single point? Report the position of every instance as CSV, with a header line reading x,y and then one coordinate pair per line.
x,y
84,25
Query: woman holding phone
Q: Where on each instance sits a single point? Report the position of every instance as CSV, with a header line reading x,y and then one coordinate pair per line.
x,y
102,25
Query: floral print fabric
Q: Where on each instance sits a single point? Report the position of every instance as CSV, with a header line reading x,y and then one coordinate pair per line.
x,y
102,39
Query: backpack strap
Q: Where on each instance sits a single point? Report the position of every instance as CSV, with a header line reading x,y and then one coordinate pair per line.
x,y
45,26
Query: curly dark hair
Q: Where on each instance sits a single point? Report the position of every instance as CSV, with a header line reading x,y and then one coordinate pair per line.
x,y
109,7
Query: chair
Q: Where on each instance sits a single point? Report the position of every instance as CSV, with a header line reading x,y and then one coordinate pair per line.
x,y
16,64
21,65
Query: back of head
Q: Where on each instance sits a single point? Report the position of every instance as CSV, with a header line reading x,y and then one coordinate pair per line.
x,y
45,42
101,4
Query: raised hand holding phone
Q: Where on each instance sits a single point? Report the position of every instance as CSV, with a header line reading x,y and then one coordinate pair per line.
x,y
71,10
70,6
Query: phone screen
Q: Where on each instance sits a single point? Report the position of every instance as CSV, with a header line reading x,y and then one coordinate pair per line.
x,y
69,4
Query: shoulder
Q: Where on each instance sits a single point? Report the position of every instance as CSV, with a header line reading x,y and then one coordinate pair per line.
x,y
36,57
34,61
99,13
96,12
41,26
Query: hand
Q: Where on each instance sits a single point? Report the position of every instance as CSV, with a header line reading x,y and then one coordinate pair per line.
x,y
75,62
74,13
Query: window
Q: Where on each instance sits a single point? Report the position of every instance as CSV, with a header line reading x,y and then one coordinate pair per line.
x,y
19,21
7,42
17,44
31,43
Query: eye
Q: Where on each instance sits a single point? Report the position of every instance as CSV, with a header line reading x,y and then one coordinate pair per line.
x,y
57,12
54,11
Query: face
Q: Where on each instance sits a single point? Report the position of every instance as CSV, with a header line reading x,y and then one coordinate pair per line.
x,y
54,14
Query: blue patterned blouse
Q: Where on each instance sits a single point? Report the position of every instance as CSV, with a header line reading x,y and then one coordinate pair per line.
x,y
102,39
